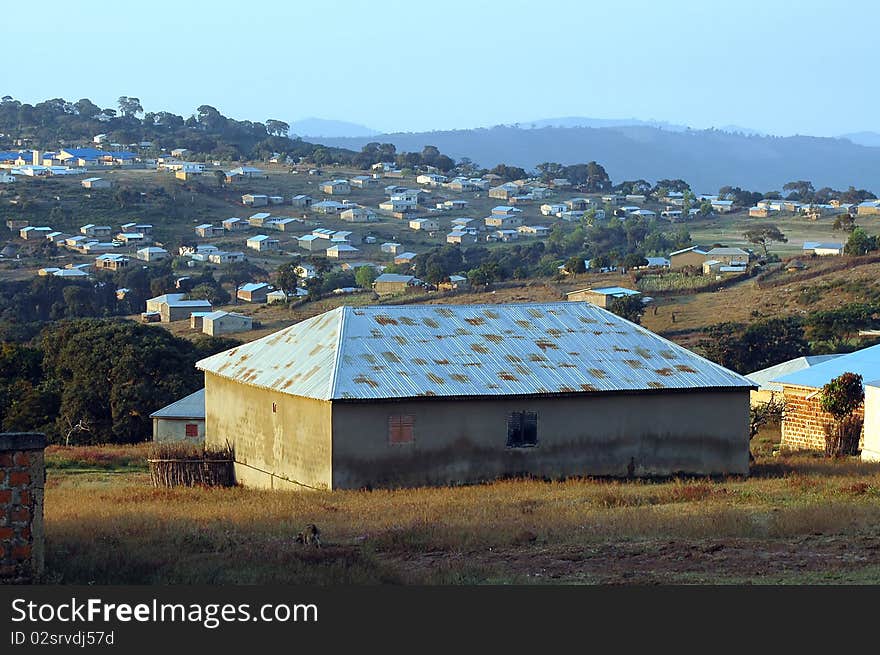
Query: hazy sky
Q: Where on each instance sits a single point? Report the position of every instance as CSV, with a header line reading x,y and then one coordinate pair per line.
x,y
784,67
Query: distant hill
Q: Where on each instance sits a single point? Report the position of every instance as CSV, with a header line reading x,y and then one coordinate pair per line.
x,y
870,139
581,121
322,127
707,159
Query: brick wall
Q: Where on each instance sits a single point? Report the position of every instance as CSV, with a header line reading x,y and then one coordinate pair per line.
x,y
22,473
804,424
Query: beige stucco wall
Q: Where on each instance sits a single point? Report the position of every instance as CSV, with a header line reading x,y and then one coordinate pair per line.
x,y
871,443
287,448
167,430
615,434
686,259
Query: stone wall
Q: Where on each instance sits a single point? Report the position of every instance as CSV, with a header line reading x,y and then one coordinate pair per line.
x,y
803,427
22,474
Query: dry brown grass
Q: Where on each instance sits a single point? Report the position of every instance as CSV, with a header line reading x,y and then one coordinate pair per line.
x,y
116,528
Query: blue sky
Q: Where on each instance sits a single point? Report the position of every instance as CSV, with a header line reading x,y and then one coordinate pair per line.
x,y
783,67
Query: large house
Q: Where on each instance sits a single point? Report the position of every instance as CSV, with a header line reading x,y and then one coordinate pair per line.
x,y
354,398
172,307
601,296
392,283
692,256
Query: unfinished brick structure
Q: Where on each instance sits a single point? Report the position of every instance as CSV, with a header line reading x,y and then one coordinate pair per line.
x,y
22,473
805,420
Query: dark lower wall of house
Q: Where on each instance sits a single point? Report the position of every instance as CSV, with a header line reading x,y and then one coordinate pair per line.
x,y
461,441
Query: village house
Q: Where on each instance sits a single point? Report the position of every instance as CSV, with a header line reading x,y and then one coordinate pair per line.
x,y
144,228
728,256
172,307
399,205
505,235
342,251
390,247
220,322
404,257
767,389
714,267
111,262
803,425
431,179
424,224
253,292
454,283
553,209
206,230
358,215
301,201
456,205
635,197
306,271
582,393
283,224
336,187
505,191
692,256
392,283
131,238
259,219
600,296
363,181
534,230
868,208
39,233
96,183
394,189
460,237
503,221
758,212
255,200
263,243
312,243
80,157
224,257
577,204
182,421
235,224
92,230
723,206
328,207
820,249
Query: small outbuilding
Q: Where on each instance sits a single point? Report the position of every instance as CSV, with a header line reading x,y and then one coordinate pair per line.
x,y
182,421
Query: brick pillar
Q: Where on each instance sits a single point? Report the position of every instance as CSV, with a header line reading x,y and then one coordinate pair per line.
x,y
22,474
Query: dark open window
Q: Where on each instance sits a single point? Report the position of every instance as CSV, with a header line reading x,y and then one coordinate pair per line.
x,y
522,430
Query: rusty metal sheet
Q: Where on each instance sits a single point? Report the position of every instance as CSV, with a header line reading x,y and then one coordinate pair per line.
x,y
382,352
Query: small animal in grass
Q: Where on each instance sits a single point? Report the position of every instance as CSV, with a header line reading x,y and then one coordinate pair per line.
x,y
310,536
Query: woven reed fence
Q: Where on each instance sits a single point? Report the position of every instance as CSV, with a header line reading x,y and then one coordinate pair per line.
x,y
181,465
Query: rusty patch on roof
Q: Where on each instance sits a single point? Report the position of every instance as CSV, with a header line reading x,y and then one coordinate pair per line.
x,y
420,361
370,358
664,371
401,340
406,320
480,348
436,379
363,379
492,386
376,333
656,385
384,319
667,354
522,370
442,362
566,389
588,387
391,357
684,368
644,352
587,319
567,365
445,313
491,314
460,377
461,332
494,338
535,357
524,324
506,375
428,393
513,358
544,344
431,323
476,320
314,351
536,312
618,349
634,363
597,373
553,332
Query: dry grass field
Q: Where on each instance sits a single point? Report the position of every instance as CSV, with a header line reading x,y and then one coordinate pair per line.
x,y
796,519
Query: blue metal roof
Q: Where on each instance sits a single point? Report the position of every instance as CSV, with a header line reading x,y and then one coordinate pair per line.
x,y
382,352
764,378
865,362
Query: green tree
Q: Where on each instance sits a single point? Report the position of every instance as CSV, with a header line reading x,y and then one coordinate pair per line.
x,y
764,235
860,242
629,307
276,127
365,276
841,398
130,106
286,277
575,265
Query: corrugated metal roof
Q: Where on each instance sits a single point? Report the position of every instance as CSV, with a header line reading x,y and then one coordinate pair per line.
x,y
191,406
381,352
764,377
864,362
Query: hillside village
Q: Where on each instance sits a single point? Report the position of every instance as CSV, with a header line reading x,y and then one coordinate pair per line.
x,y
397,324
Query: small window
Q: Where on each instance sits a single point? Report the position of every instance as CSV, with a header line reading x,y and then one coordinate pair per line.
x,y
274,408
400,429
522,430
192,430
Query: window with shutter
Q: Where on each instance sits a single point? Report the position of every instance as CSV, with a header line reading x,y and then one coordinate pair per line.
x,y
192,430
400,429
